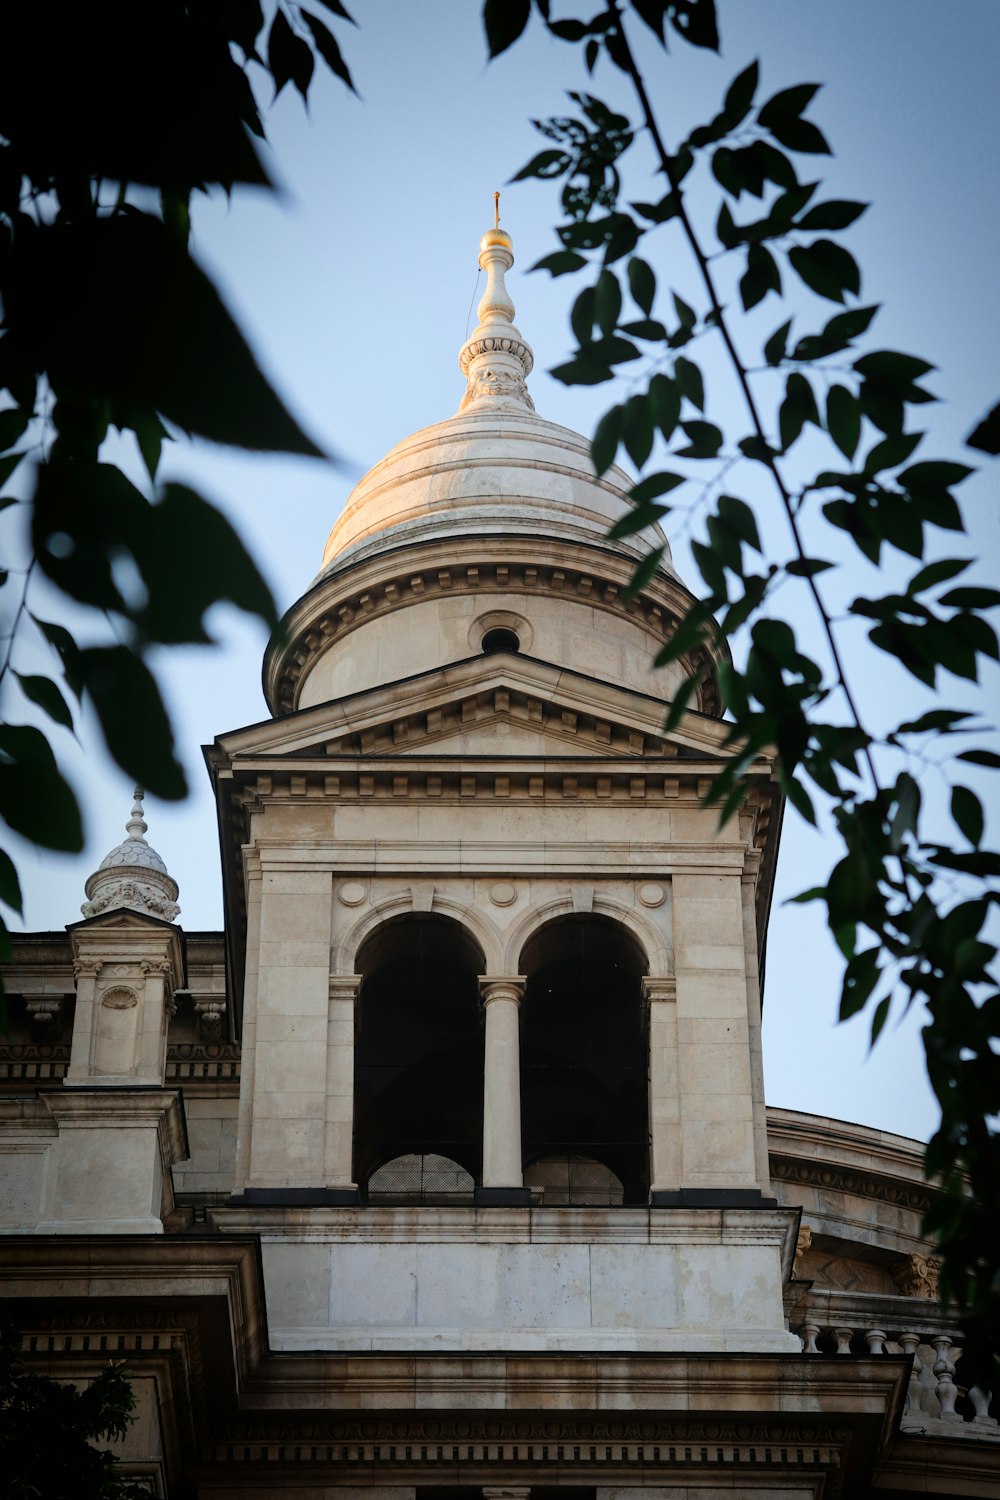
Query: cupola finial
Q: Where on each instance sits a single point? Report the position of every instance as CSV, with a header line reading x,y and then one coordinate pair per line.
x,y
496,359
132,876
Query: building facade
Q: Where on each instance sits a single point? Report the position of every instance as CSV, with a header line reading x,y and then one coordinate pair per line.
x,y
446,1166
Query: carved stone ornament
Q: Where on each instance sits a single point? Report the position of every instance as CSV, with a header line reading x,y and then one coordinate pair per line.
x,y
136,895
503,893
918,1276
119,997
352,892
652,894
496,384
132,876
803,1242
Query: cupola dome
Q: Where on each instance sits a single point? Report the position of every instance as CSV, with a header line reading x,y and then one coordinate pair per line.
x,y
132,875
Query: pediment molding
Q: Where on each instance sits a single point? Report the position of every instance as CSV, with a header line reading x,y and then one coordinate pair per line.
x,y
590,715
507,565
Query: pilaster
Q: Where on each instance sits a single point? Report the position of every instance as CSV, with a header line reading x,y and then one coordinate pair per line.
x,y
503,1181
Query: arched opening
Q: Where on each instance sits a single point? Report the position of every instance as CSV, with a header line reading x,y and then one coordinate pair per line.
x,y
584,1109
418,1087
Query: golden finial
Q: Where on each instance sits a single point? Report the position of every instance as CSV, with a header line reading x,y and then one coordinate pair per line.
x,y
496,210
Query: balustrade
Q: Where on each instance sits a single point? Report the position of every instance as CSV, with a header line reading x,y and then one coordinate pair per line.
x,y
933,1396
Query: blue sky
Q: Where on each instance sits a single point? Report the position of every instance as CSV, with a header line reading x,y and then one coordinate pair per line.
x,y
356,287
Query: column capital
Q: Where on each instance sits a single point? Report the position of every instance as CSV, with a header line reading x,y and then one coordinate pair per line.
x,y
344,986
659,987
502,987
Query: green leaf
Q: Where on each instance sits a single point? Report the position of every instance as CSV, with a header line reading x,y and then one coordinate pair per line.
x,y
133,719
891,451
893,368
289,58
689,381
582,316
35,798
798,408
934,474
604,444
665,398
937,572
879,1018
807,567
981,758
801,135
740,518
827,269
694,20
986,434
67,650
761,276
329,50
787,104
43,691
967,812
116,306
637,520
192,540
504,21
643,574
642,284
843,419
686,315
739,95
940,720
705,440
654,486
774,349
10,886
637,429
560,262
545,164
971,597
837,213
607,302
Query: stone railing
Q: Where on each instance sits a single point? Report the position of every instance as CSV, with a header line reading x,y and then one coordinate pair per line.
x,y
936,1403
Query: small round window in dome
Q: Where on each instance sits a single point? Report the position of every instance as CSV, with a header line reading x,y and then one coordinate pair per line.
x,y
500,639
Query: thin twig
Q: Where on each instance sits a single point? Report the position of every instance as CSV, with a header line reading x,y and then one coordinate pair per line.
x,y
667,166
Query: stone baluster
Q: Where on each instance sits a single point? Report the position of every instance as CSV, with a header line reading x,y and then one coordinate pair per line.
x,y
502,1081
908,1343
981,1406
944,1369
809,1334
875,1339
843,1337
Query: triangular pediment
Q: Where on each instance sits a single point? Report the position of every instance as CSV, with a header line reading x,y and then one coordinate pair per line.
x,y
500,705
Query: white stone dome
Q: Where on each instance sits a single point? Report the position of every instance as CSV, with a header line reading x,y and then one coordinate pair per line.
x,y
494,469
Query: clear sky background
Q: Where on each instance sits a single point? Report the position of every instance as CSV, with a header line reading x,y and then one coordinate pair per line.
x,y
356,289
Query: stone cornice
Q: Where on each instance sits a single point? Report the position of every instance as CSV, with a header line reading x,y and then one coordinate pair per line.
x,y
399,576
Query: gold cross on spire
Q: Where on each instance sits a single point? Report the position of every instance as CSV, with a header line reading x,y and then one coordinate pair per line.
x,y
496,210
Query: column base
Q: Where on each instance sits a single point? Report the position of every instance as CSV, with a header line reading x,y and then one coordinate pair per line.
x,y
502,1197
304,1197
710,1198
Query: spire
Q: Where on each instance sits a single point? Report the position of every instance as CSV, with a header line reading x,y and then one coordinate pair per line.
x,y
496,359
136,826
132,875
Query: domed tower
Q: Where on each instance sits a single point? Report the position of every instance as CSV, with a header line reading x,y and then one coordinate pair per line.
x,y
491,950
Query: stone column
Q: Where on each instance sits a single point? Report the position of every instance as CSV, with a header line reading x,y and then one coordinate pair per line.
x,y
660,990
339,1142
749,894
502,1178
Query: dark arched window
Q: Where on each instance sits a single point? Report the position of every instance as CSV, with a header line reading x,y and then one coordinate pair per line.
x,y
418,1060
584,1105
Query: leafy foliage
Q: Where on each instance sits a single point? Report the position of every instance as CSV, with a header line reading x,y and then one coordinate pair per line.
x,y
109,323
908,910
48,1429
